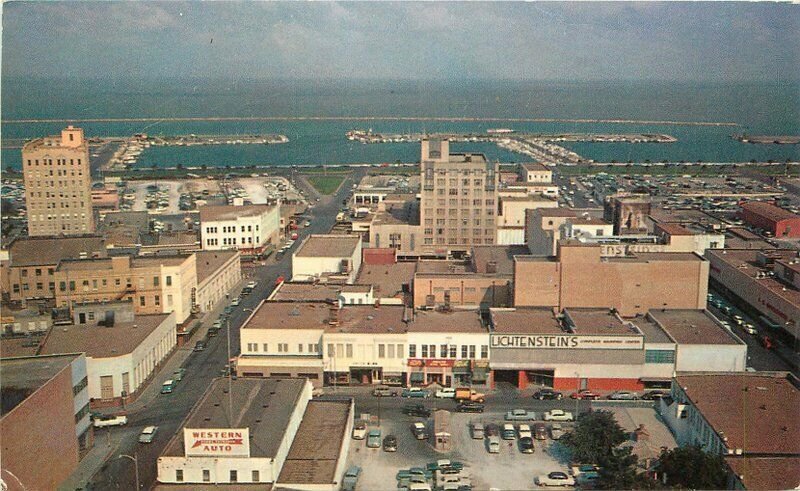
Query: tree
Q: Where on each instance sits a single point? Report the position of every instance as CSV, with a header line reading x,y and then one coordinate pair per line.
x,y
691,467
594,437
618,470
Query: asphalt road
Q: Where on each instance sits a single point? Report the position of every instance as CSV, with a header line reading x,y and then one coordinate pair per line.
x,y
168,411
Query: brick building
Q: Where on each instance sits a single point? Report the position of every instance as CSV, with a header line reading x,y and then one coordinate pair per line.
x,y
770,218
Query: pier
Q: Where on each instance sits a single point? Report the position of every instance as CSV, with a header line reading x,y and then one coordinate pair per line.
x,y
767,140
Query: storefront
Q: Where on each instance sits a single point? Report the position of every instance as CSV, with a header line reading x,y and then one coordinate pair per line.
x,y
480,372
462,372
365,375
430,371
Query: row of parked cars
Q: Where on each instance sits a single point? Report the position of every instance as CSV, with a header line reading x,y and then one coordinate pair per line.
x,y
524,433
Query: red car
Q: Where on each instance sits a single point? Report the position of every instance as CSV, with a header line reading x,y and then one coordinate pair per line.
x,y
585,394
766,342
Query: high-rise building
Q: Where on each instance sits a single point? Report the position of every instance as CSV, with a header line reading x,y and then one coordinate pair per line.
x,y
459,198
58,184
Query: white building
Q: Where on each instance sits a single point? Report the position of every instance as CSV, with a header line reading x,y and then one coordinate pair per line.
x,y
333,257
218,272
534,173
119,358
249,228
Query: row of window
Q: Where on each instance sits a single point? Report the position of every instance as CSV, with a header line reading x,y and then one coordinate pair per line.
x,y
283,347
454,212
255,475
35,162
229,229
456,241
447,351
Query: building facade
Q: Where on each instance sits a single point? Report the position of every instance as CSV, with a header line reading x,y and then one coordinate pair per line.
x,y
249,228
58,184
459,199
770,218
336,257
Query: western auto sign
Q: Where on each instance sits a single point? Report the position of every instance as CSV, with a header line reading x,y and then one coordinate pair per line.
x,y
223,442
567,341
433,363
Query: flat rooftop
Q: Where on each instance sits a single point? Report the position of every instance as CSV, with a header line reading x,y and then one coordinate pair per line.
x,y
213,213
328,246
442,266
264,405
597,322
457,321
24,376
315,315
26,346
45,251
766,472
387,280
386,319
535,167
311,459
102,342
289,315
692,327
766,404
525,321
294,291
653,333
404,212
499,257
209,262
768,211
155,261
745,261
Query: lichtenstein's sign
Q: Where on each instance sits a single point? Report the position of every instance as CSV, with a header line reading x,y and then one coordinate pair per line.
x,y
566,341
207,442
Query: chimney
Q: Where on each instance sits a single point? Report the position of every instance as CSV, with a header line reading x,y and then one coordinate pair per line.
x,y
333,319
491,267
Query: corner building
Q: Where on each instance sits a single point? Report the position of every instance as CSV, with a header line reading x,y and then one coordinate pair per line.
x,y
58,184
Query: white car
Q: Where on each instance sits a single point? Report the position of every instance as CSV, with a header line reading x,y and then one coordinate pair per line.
x,y
750,329
252,284
235,301
148,434
445,393
359,430
558,415
556,431
525,430
101,421
556,478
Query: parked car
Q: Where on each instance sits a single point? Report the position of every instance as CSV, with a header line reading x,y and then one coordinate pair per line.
x,y
766,342
148,434
478,431
540,431
110,420
415,392
508,432
419,430
524,431
526,444
178,374
200,346
653,395
390,443
417,410
374,439
547,394
750,329
585,394
557,478
469,407
252,284
623,395
556,431
351,478
494,444
520,415
384,392
445,393
359,430
235,301
558,415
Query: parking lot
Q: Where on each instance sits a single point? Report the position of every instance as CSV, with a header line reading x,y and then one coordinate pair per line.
x,y
510,469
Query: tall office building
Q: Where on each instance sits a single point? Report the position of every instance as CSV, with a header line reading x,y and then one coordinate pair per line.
x,y
459,199
58,184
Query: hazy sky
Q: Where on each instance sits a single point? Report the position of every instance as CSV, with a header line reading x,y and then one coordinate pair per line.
x,y
524,41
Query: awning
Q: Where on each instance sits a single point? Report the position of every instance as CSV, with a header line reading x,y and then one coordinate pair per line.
x,y
655,379
480,370
417,377
392,374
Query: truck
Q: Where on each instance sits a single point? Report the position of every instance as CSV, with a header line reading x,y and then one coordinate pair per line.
x,y
520,415
469,394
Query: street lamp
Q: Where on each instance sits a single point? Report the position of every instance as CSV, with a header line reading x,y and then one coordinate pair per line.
x,y
135,465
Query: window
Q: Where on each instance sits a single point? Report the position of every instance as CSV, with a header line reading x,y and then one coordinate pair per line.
x,y
311,347
264,347
400,351
256,476
463,351
424,350
300,347
234,476
659,356
443,351
157,299
169,280
179,475
38,272
381,351
453,351
331,352
472,351
484,351
412,350
142,301
390,350
349,348
206,475
155,280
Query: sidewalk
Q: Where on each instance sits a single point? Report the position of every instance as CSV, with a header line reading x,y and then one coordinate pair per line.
x,y
105,446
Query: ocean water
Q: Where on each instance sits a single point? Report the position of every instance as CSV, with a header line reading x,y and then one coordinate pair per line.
x,y
755,108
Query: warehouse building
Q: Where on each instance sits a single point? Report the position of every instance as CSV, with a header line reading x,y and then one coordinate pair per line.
x,y
334,258
770,218
259,431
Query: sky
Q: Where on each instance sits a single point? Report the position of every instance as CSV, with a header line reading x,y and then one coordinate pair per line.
x,y
718,42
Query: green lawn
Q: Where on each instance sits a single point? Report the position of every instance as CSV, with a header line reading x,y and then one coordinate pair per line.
x,y
326,184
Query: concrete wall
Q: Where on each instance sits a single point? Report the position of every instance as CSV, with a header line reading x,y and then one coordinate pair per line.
x,y
711,358
39,446
306,268
466,290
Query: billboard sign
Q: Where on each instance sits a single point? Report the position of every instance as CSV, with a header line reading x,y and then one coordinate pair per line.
x,y
565,341
217,442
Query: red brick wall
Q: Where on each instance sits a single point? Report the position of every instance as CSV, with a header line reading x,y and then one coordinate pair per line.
x,y
383,255
570,385
38,436
787,228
